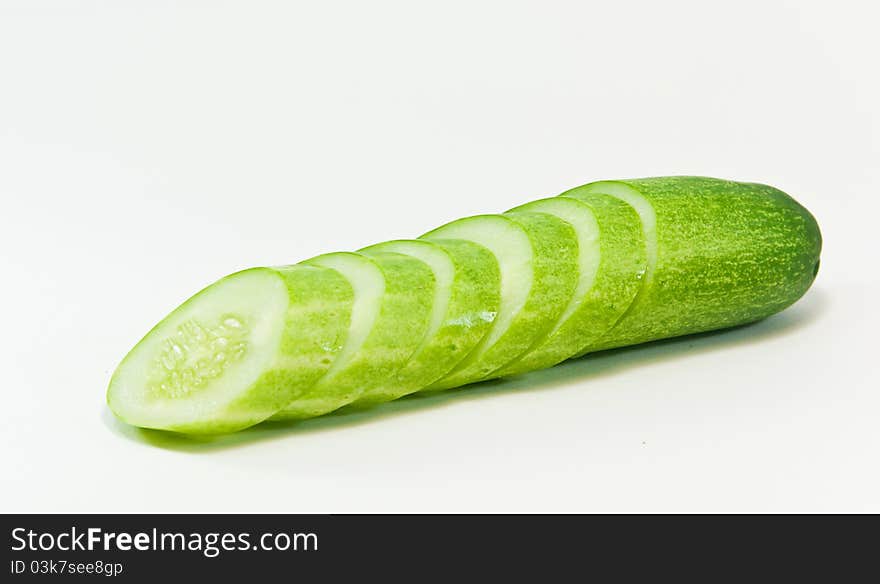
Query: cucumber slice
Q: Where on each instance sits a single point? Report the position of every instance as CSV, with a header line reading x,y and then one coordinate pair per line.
x,y
465,304
730,252
537,257
611,263
645,211
236,352
626,253
392,307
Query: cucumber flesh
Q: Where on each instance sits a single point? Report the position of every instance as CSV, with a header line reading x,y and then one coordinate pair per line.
x,y
393,297
536,255
611,262
465,305
231,355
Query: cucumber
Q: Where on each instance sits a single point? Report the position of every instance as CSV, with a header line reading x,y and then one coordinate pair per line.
x,y
720,253
465,304
537,257
236,352
611,264
393,297
604,265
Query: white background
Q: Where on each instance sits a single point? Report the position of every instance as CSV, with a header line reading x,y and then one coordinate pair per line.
x,y
148,148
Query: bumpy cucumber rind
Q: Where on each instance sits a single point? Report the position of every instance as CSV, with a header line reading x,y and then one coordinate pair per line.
x,y
676,255
728,253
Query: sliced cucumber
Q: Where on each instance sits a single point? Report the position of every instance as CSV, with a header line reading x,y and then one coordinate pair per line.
x,y
604,265
392,308
465,304
236,352
537,257
730,252
611,262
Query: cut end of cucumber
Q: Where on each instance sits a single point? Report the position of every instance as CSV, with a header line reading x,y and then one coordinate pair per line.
x,y
204,356
195,354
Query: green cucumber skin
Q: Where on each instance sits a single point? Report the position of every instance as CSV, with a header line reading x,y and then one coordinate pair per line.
x,y
473,305
728,253
622,265
554,265
316,323
397,332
